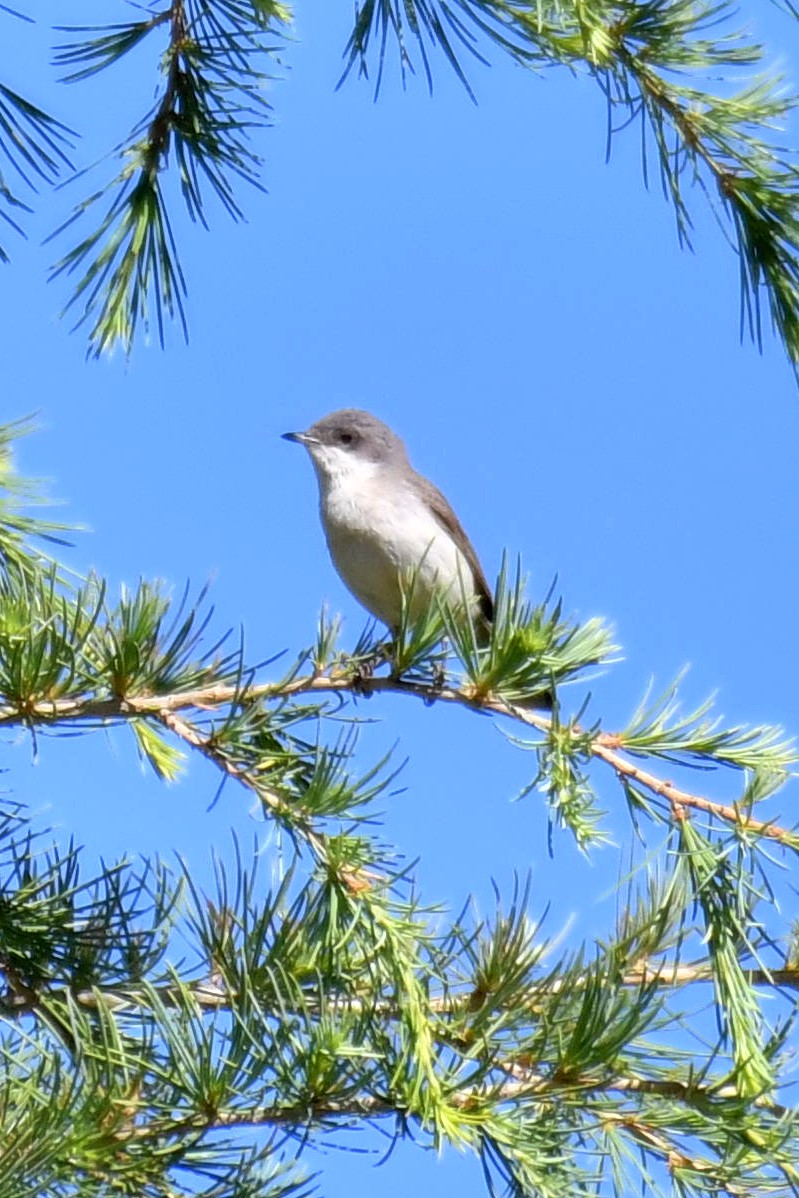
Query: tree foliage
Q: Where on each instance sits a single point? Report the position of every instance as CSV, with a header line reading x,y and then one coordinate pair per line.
x,y
671,68
320,991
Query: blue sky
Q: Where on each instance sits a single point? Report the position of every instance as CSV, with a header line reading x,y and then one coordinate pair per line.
x,y
522,314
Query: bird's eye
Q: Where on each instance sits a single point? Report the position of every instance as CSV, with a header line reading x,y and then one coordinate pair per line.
x,y
345,438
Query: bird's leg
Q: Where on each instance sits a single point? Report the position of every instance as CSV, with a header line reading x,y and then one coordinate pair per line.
x,y
364,670
439,680
439,675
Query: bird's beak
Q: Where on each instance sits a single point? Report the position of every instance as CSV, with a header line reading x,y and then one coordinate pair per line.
x,y
299,437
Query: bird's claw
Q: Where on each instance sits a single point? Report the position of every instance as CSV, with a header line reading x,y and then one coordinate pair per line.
x,y
363,673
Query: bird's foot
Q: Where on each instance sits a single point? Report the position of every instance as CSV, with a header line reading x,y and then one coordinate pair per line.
x,y
363,673
436,685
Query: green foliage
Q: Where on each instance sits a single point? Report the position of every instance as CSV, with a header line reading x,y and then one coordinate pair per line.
x,y
657,63
33,146
148,1024
562,758
727,899
532,648
659,729
144,647
166,759
211,100
671,66
17,496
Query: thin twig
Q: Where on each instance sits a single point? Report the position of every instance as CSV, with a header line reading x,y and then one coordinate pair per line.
x,y
604,746
210,996
278,806
533,1086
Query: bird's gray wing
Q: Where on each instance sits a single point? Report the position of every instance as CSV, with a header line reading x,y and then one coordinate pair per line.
x,y
442,510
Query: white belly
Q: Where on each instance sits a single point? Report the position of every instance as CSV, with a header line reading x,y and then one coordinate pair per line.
x,y
376,541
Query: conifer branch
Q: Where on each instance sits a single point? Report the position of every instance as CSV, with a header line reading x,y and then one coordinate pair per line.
x,y
329,995
528,1085
531,1093
211,996
605,746
129,271
34,147
682,800
658,64
186,732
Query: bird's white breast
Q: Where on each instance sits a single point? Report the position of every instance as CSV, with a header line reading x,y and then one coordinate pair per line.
x,y
379,531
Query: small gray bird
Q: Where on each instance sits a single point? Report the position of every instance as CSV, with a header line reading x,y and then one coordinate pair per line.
x,y
384,523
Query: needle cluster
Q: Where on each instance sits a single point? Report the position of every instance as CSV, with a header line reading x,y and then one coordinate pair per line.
x,y
148,1024
711,121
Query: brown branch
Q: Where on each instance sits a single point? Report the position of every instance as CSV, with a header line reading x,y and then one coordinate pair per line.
x,y
206,745
474,1098
604,746
685,975
166,115
680,799
528,1081
210,996
207,995
655,1141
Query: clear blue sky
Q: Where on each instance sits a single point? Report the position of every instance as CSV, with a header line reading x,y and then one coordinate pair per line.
x,y
522,314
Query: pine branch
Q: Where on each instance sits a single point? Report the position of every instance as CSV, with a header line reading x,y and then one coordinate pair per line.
x,y
210,996
529,1097
528,1085
211,101
190,1082
34,147
330,995
665,1111
208,747
637,53
19,530
605,746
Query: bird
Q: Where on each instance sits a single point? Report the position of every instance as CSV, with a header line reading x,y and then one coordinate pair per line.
x,y
387,527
